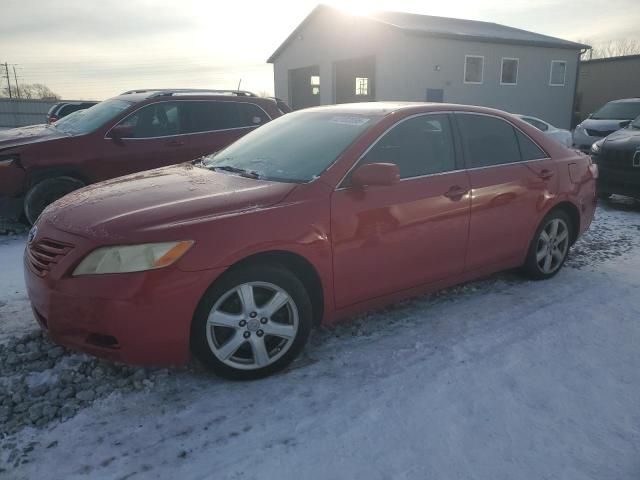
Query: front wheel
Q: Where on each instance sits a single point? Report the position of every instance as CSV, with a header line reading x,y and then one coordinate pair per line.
x,y
45,192
549,247
252,322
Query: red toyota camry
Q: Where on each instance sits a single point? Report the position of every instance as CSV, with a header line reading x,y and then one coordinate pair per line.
x,y
315,216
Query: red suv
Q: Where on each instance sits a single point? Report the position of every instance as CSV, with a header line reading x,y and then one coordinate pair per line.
x,y
135,131
319,214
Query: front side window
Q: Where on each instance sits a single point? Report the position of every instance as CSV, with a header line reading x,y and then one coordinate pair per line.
x,y
487,140
473,69
154,120
558,73
509,73
296,147
421,145
92,118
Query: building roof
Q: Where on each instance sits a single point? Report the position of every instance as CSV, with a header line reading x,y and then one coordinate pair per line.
x,y
620,58
444,27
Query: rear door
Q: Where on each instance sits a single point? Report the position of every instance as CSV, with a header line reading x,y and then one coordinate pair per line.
x,y
214,124
511,177
156,139
390,238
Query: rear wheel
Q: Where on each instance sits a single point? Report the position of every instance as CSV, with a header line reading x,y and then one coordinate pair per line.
x,y
550,245
46,192
252,322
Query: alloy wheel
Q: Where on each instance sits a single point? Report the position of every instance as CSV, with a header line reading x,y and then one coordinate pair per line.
x,y
552,246
252,325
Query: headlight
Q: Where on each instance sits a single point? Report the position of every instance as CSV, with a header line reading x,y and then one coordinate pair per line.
x,y
596,147
132,258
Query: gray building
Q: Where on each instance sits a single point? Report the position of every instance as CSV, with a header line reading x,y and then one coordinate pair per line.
x,y
333,57
606,79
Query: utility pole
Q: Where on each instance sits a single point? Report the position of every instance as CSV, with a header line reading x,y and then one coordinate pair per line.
x,y
15,77
6,67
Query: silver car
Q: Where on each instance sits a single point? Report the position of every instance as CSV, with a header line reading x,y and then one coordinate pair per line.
x,y
558,134
611,117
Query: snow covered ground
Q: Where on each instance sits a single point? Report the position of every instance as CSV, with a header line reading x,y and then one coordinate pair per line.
x,y
498,379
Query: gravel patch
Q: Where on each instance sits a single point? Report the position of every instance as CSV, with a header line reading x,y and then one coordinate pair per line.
x,y
41,382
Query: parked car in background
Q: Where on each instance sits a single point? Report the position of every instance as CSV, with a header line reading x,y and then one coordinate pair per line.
x,y
618,160
62,109
135,131
558,134
317,215
613,116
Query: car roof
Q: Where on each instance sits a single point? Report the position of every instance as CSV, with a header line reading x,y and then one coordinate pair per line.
x,y
626,100
386,108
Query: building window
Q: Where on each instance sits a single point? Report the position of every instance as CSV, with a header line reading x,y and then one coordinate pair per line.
x,y
362,86
558,73
509,71
315,84
473,69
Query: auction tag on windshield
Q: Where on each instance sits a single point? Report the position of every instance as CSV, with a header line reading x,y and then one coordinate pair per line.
x,y
349,120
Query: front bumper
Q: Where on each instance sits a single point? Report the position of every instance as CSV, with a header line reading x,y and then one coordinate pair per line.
x,y
620,182
139,318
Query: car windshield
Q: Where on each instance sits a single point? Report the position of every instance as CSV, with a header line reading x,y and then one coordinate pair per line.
x,y
89,120
618,111
296,147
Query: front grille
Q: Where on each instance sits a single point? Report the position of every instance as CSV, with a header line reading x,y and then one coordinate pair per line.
x,y
45,253
618,160
599,133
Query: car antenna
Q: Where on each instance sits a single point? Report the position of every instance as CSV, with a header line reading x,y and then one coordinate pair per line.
x,y
239,83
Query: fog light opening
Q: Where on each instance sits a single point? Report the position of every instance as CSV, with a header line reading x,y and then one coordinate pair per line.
x,y
103,341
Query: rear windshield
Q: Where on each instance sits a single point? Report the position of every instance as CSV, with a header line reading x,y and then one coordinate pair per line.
x,y
89,120
618,111
296,147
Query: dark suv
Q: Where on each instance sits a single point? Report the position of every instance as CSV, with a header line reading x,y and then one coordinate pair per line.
x,y
138,130
62,109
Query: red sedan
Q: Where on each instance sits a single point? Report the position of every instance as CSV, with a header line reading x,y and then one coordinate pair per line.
x,y
315,216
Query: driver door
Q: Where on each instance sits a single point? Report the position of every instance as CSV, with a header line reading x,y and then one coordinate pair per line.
x,y
390,238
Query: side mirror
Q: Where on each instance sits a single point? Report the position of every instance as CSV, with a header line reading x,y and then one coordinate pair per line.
x,y
120,131
371,174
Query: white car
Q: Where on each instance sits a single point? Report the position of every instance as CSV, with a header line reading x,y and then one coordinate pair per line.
x,y
558,134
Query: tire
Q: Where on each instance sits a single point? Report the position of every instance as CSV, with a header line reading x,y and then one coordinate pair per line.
x,y
232,340
541,253
46,192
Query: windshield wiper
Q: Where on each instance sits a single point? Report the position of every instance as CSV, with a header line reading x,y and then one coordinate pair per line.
x,y
240,171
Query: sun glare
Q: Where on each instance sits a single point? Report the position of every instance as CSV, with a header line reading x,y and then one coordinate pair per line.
x,y
355,7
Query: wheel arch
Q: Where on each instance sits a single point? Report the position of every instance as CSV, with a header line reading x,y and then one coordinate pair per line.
x,y
574,215
299,266
37,176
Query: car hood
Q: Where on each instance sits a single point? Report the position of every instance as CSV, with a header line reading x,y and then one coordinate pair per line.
x,y
16,137
604,125
158,199
627,138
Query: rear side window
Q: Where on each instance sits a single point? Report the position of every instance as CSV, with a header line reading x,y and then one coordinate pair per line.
x,y
528,149
251,115
487,140
421,145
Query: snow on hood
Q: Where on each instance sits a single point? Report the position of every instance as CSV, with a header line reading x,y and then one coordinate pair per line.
x,y
160,197
17,137
604,125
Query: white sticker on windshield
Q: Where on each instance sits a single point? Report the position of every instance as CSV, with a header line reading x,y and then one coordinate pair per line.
x,y
349,120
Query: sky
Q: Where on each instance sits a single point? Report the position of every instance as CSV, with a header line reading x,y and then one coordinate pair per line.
x,y
90,49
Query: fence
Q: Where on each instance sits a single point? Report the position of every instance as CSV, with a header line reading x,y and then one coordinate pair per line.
x,y
18,113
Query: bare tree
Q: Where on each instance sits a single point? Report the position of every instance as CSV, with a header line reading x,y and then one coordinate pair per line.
x,y
612,48
35,91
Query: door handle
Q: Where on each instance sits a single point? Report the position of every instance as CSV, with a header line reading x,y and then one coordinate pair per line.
x,y
455,193
174,143
546,174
